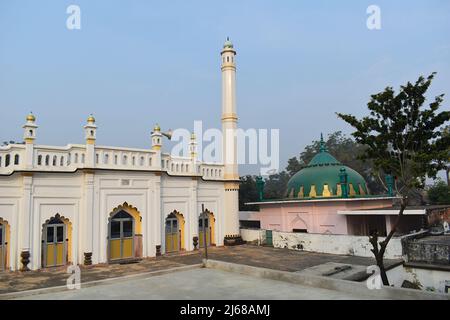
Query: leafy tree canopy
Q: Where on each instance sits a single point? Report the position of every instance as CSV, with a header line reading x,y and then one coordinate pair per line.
x,y
404,136
439,193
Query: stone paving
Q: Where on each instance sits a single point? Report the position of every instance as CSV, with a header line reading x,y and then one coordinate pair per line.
x,y
265,257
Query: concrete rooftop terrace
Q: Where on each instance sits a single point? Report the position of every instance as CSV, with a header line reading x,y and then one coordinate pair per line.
x,y
263,257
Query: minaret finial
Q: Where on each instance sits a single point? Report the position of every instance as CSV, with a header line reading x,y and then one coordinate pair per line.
x,y
323,147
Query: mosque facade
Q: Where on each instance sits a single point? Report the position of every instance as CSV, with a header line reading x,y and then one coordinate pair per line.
x,y
90,204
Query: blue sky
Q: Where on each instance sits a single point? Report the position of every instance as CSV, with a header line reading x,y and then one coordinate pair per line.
x,y
135,63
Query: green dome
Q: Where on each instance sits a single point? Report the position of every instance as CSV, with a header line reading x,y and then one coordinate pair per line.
x,y
323,173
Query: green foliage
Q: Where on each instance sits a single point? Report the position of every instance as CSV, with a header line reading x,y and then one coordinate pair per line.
x,y
439,193
275,185
402,135
294,166
248,193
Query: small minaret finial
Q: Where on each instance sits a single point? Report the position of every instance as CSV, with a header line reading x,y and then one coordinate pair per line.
x,y
323,147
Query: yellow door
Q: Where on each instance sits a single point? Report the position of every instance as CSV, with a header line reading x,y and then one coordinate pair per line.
x,y
55,245
115,248
127,248
172,234
201,231
50,255
121,234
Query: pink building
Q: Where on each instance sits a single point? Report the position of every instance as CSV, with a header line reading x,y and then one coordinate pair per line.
x,y
329,197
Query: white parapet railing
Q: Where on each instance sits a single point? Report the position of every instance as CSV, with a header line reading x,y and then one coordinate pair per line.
x,y
69,158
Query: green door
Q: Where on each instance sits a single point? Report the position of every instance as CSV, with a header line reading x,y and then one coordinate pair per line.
x,y
269,240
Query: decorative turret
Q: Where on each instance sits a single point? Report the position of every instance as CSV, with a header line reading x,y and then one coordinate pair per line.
x,y
90,130
390,185
193,146
193,152
30,127
156,138
343,178
90,134
29,136
260,187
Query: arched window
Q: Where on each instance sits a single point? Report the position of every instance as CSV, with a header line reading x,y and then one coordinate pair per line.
x,y
76,158
133,160
16,159
142,161
47,160
0,161
54,161
61,161
82,158
115,159
124,160
7,160
96,158
105,158
39,160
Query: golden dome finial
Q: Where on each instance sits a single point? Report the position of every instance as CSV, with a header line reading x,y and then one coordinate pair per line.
x,y
157,128
91,119
31,117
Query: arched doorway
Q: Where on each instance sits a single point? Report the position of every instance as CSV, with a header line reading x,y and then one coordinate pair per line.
x,y
174,232
121,234
124,233
206,226
55,240
4,239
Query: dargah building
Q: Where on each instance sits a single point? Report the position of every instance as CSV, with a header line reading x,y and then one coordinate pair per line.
x,y
89,204
327,197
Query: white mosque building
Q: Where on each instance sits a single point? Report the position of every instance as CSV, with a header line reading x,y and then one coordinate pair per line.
x,y
90,204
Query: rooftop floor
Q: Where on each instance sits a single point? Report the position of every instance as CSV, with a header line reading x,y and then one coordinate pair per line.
x,y
265,257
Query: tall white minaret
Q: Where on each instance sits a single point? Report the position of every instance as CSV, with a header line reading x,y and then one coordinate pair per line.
x,y
229,126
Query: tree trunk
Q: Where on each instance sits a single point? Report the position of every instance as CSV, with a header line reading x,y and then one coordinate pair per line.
x,y
378,252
